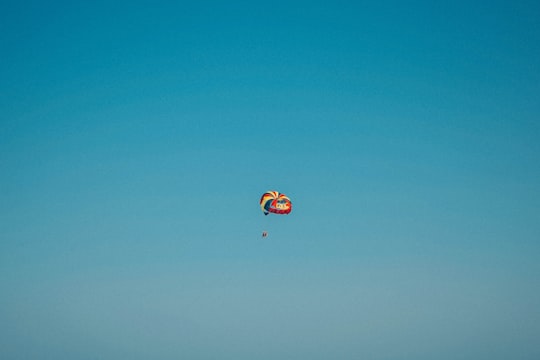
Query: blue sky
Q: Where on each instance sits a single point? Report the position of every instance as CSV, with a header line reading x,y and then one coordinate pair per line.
x,y
137,137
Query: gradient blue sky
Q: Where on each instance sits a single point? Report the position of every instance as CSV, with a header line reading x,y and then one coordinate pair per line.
x,y
137,137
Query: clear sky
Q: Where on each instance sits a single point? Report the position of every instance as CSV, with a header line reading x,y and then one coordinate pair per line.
x,y
136,139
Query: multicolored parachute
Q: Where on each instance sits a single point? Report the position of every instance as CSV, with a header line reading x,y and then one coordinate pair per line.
x,y
276,203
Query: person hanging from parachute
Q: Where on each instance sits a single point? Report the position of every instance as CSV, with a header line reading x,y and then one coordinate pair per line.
x,y
275,203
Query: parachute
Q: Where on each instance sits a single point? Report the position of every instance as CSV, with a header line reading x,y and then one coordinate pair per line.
x,y
275,203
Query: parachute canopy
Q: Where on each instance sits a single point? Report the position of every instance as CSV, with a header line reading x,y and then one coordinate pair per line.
x,y
276,203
